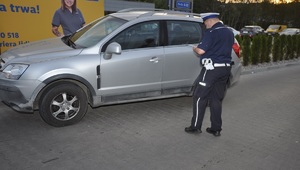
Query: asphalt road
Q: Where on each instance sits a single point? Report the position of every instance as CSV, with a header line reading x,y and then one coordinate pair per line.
x,y
261,123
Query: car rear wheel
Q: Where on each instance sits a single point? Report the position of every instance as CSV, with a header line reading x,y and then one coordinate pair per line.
x,y
63,105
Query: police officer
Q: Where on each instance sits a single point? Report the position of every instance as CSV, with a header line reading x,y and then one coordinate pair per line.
x,y
215,56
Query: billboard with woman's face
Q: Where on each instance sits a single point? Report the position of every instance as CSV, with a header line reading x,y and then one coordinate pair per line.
x,y
30,20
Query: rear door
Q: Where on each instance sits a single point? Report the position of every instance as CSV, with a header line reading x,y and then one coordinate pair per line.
x,y
182,65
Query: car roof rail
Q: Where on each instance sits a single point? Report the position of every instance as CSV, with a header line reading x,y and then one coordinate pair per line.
x,y
152,11
139,9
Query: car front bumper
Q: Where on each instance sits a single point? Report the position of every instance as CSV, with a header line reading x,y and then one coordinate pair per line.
x,y
17,94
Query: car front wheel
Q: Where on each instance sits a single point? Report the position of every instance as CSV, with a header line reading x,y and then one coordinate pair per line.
x,y
63,105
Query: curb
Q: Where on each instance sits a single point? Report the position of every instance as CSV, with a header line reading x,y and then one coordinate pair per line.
x,y
262,68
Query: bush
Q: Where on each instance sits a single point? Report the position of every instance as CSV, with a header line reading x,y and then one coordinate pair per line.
x,y
269,48
246,52
282,47
276,49
259,49
289,48
298,45
239,39
294,46
264,49
256,49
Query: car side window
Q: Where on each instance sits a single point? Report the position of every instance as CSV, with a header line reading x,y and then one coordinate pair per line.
x,y
141,35
183,32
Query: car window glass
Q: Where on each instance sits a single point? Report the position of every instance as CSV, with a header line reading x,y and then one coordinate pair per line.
x,y
96,31
183,32
141,35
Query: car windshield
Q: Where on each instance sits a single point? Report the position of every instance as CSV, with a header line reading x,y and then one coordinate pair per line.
x,y
274,26
94,32
247,29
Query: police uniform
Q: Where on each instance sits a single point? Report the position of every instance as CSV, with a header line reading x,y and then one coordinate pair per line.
x,y
211,83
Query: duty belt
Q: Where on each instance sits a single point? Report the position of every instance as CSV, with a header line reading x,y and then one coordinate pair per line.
x,y
209,65
221,64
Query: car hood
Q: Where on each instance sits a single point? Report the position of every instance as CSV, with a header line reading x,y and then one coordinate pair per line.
x,y
38,51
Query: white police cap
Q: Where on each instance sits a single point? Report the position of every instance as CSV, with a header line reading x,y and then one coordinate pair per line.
x,y
208,15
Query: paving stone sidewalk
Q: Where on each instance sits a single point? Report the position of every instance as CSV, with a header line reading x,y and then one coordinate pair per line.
x,y
260,132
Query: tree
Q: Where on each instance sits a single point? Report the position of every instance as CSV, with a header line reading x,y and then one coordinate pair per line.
x,y
244,13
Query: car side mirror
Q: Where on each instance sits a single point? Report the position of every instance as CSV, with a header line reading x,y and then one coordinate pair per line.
x,y
112,48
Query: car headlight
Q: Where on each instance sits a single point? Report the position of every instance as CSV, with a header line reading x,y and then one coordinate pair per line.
x,y
14,71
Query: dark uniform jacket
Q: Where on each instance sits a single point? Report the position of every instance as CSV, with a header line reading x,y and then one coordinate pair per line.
x,y
217,43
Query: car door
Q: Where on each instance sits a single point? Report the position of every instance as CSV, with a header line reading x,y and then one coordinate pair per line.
x,y
137,71
182,65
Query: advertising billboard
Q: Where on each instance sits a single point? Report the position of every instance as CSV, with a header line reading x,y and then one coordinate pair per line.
x,y
30,20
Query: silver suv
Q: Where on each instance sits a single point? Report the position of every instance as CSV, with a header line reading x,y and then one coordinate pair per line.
x,y
127,56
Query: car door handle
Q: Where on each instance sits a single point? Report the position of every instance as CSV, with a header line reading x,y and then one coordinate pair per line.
x,y
154,60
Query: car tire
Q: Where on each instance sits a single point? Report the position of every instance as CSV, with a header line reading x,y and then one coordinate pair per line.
x,y
63,104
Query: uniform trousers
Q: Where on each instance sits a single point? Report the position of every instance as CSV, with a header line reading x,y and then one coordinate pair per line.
x,y
210,88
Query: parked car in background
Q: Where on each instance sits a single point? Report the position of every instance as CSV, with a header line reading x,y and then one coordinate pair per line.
x,y
290,31
275,29
131,55
235,32
251,30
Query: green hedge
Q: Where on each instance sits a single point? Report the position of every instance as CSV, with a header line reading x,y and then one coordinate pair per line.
x,y
266,48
